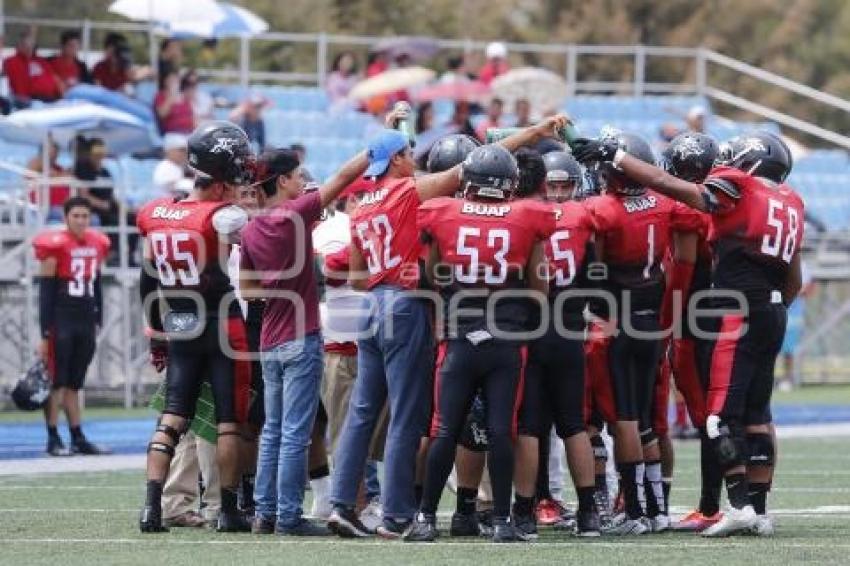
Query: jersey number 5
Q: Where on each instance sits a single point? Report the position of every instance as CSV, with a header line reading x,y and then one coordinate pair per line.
x,y
772,244
166,248
559,255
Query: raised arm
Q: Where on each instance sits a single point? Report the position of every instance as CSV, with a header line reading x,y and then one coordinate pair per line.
x,y
588,151
350,172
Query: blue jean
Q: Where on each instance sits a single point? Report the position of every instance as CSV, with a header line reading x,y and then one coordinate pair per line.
x,y
292,375
393,362
373,484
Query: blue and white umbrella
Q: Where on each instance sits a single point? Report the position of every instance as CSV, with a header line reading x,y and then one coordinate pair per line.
x,y
122,132
237,21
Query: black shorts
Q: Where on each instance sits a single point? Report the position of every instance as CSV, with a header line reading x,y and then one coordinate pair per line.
x,y
496,367
71,347
191,362
632,365
740,364
555,392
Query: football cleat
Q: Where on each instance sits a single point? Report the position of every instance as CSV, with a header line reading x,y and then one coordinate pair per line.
x,y
764,526
55,447
550,512
422,529
465,525
504,531
345,523
485,522
660,523
86,448
734,521
695,522
621,525
587,524
232,523
150,520
525,527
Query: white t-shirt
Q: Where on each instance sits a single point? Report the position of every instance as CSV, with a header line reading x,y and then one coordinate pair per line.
x,y
166,175
343,306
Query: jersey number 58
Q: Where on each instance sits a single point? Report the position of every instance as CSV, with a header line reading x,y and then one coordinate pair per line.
x,y
772,244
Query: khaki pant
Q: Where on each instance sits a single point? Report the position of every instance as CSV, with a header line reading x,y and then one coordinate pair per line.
x,y
337,382
192,456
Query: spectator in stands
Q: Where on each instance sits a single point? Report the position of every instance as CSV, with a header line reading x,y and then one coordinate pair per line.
x,y
98,190
493,119
455,70
57,193
424,118
497,62
376,64
30,76
202,103
249,116
342,78
173,108
522,111
695,119
460,119
170,174
116,70
170,55
67,65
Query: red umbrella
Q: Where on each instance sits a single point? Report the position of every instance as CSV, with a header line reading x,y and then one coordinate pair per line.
x,y
456,90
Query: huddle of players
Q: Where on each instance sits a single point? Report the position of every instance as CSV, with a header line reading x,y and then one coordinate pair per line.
x,y
492,239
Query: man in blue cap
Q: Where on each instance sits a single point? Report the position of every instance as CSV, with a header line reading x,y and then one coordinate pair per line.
x,y
395,355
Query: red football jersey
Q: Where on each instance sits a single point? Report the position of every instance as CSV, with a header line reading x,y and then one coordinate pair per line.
x,y
567,246
755,240
636,232
78,262
184,247
383,228
487,244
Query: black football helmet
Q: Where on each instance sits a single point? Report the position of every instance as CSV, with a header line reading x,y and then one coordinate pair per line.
x,y
690,156
221,151
33,389
612,177
489,172
758,153
562,169
448,151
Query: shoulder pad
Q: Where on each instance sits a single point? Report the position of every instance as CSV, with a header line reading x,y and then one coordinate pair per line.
x,y
725,186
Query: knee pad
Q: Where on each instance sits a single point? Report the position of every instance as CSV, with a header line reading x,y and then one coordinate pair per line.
x,y
599,450
727,441
761,449
647,437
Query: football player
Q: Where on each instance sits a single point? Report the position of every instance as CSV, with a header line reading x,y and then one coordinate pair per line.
x,y
393,362
756,234
184,286
633,227
481,244
70,307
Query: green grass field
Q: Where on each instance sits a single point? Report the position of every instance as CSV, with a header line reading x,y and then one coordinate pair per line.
x,y
91,518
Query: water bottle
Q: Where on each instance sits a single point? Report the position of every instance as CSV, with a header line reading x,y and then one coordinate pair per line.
x,y
405,126
497,134
569,134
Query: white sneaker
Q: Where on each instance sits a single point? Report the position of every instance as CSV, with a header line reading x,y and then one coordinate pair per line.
x,y
660,523
622,526
372,515
322,507
733,521
764,526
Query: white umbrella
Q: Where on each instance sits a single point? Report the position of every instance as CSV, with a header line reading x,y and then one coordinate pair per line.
x,y
543,89
167,11
391,81
237,21
122,132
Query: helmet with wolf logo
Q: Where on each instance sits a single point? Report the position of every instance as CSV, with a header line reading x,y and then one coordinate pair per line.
x,y
221,151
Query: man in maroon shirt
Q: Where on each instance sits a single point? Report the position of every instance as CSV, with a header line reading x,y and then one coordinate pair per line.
x,y
30,76
277,264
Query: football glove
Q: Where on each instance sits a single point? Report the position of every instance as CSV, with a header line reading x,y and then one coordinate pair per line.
x,y
158,354
587,150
